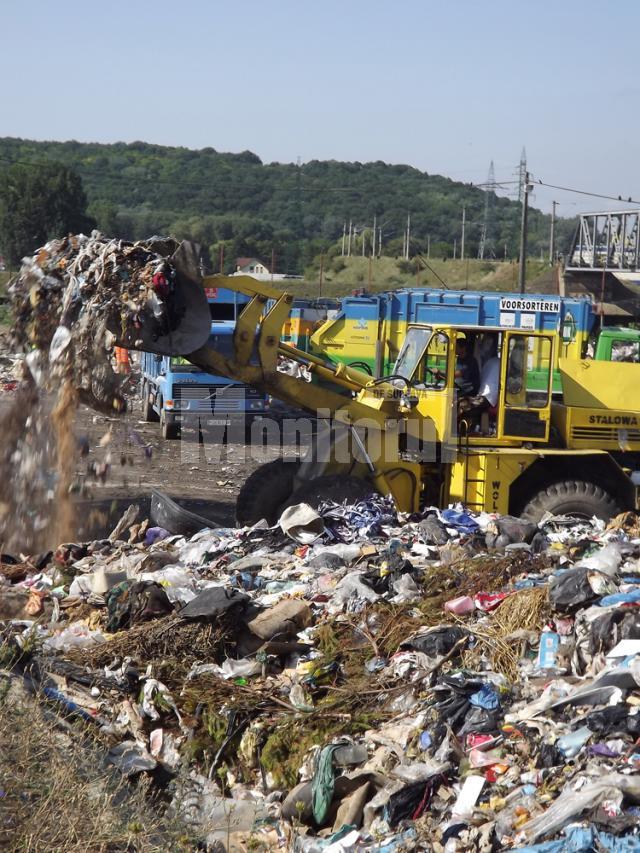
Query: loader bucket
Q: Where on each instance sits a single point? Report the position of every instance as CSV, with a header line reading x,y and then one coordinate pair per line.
x,y
190,321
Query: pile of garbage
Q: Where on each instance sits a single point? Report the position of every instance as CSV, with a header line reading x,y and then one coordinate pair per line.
x,y
354,679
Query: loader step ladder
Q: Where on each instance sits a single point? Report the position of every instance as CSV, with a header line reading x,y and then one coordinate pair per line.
x,y
478,482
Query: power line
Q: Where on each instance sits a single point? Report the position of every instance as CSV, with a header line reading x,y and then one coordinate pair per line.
x,y
92,175
281,187
586,192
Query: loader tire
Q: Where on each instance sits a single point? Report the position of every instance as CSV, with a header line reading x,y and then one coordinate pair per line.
x,y
265,491
572,497
333,487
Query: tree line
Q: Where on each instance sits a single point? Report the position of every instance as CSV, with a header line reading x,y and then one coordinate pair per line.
x,y
234,205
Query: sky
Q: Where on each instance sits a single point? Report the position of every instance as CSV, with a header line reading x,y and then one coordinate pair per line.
x,y
446,87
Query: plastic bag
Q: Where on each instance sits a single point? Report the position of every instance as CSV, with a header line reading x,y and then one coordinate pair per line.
x,y
572,803
76,636
605,560
571,589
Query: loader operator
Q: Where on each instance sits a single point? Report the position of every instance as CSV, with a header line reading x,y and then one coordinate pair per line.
x,y
467,373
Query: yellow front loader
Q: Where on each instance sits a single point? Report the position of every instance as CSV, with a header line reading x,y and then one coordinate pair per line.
x,y
410,436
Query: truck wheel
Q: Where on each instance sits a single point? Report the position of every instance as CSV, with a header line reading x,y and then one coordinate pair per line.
x,y
168,428
572,497
333,487
265,491
149,414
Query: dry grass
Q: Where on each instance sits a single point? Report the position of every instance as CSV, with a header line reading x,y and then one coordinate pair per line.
x,y
386,274
523,611
56,793
170,642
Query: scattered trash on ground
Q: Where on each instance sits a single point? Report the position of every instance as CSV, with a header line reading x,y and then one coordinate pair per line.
x,y
446,679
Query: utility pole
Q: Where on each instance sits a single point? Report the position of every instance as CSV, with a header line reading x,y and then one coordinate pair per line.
x,y
373,240
522,171
349,244
428,246
455,246
380,241
523,232
408,234
321,274
344,234
464,214
552,235
363,240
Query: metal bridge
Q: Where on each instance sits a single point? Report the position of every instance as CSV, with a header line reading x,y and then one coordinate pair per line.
x,y
606,241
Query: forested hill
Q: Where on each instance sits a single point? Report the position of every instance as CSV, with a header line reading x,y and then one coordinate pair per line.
x,y
294,211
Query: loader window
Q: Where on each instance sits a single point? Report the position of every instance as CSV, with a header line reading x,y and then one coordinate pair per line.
x,y
528,371
433,371
412,350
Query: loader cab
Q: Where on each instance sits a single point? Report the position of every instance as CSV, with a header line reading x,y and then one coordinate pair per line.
x,y
519,362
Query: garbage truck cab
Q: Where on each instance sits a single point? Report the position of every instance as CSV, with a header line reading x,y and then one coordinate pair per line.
x,y
615,343
175,392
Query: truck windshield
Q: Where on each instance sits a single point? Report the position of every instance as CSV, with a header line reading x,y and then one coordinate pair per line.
x,y
625,350
411,352
222,343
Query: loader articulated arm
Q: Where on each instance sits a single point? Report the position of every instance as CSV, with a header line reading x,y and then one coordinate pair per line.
x,y
257,345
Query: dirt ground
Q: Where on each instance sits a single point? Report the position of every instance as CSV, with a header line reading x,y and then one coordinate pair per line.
x,y
121,460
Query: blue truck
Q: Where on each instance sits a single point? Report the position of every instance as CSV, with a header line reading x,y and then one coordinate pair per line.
x,y
175,392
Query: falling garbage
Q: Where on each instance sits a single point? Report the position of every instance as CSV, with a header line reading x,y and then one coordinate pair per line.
x,y
73,301
78,297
